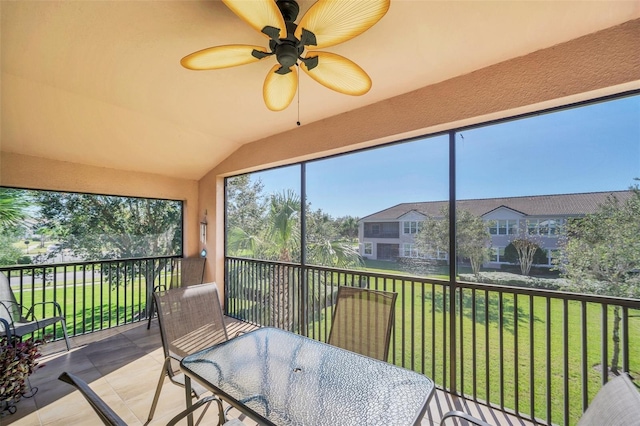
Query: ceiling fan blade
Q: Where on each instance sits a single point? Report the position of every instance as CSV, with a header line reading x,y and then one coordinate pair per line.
x,y
337,73
223,57
279,89
336,21
260,14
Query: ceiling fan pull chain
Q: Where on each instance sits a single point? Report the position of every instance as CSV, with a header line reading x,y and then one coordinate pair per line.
x,y
298,122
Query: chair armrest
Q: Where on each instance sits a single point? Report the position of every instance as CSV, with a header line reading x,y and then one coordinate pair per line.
x,y
465,416
3,306
7,328
56,306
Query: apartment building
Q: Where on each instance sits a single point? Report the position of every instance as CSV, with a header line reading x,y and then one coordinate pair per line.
x,y
390,233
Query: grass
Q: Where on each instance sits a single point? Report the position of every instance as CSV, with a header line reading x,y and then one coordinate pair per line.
x,y
510,334
504,328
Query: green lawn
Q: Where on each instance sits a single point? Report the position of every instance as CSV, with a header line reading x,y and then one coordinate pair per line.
x,y
91,306
420,342
420,337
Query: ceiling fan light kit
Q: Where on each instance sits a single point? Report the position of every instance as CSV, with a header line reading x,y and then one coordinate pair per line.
x,y
325,24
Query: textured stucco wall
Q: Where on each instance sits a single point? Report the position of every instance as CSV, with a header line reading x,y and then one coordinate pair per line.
x,y
603,63
23,171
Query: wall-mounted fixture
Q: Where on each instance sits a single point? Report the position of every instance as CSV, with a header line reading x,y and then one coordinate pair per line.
x,y
203,229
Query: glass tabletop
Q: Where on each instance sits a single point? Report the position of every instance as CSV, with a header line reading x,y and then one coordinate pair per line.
x,y
281,378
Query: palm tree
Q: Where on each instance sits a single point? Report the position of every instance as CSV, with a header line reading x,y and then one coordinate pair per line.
x,y
279,240
283,232
13,207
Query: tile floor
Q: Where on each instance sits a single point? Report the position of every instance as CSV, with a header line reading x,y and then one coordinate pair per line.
x,y
122,365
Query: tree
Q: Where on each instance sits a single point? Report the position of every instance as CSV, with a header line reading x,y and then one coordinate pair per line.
x,y
323,242
600,254
96,227
472,240
13,210
283,232
9,254
109,227
276,236
527,252
245,204
511,255
348,226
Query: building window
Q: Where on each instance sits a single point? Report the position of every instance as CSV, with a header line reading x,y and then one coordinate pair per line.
x,y
368,248
411,227
375,229
552,255
504,227
544,227
442,255
497,254
408,250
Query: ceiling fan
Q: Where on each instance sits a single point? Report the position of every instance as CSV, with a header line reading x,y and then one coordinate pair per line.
x,y
325,24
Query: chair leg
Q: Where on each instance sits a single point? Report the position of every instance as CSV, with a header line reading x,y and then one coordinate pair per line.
x,y
167,364
152,311
197,405
66,335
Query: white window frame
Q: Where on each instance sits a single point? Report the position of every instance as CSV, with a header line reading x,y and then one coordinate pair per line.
x,y
409,250
367,249
497,255
411,226
505,227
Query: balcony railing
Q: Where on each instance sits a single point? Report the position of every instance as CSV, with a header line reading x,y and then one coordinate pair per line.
x,y
536,353
93,295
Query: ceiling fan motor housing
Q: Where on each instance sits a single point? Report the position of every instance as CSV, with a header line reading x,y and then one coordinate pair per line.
x,y
289,49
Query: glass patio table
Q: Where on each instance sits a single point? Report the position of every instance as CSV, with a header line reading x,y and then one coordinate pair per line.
x,y
281,378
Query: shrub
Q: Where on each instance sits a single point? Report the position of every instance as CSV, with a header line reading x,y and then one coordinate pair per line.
x,y
17,363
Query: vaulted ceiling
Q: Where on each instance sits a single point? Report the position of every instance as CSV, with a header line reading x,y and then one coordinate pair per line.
x,y
100,83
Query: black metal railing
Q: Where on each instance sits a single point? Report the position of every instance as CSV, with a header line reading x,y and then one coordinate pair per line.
x,y
535,353
93,295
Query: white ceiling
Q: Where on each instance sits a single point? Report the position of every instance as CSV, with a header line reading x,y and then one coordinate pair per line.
x,y
99,82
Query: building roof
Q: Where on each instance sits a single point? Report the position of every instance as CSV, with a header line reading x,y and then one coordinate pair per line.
x,y
538,205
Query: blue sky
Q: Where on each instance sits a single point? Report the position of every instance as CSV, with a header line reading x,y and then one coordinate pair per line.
x,y
593,148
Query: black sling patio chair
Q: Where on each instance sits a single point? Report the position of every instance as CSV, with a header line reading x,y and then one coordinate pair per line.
x,y
17,321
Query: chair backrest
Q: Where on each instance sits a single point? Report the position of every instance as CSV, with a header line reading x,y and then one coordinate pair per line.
x,y
9,310
616,404
362,321
190,319
191,271
106,414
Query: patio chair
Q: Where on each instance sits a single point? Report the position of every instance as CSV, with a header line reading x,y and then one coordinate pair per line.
x,y
11,314
616,404
110,418
190,319
362,321
191,271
